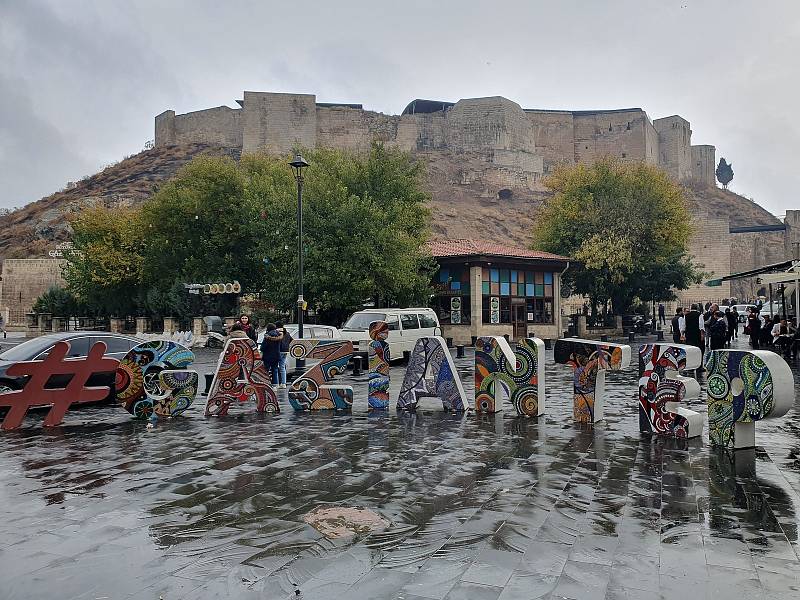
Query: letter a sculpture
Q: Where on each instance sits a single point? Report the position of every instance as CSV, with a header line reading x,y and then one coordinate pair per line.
x,y
589,361
378,394
240,376
745,386
502,373
662,389
431,354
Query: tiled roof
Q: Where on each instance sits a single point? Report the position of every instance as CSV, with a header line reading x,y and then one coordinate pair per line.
x,y
450,248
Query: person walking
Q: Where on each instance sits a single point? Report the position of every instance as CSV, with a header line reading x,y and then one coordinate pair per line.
x,y
692,329
732,321
754,328
718,331
271,351
765,336
3,326
662,318
247,327
284,352
675,323
735,321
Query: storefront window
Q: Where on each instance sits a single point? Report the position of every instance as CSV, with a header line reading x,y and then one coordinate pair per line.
x,y
536,287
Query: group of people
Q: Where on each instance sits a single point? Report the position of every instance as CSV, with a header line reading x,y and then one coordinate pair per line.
x,y
766,332
274,345
713,329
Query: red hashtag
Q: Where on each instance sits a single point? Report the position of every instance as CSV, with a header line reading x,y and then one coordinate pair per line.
x,y
35,394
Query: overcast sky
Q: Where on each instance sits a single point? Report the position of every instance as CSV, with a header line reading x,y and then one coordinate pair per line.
x,y
81,81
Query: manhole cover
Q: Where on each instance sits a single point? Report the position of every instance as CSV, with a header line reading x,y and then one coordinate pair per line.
x,y
342,521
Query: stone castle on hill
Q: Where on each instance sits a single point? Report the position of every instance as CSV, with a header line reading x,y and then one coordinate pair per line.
x,y
521,145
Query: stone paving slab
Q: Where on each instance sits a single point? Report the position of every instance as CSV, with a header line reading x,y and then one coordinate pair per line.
x,y
489,506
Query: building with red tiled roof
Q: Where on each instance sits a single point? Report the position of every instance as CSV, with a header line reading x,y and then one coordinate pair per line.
x,y
489,288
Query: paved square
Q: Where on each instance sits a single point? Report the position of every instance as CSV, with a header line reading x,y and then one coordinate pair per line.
x,y
480,507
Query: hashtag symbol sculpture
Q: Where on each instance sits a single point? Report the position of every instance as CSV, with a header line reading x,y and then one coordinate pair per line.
x,y
59,399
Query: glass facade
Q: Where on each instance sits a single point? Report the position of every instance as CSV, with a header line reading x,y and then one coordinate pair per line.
x,y
452,303
517,286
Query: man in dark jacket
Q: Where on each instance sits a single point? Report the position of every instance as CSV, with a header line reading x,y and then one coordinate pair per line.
x,y
284,348
676,326
271,351
718,331
693,329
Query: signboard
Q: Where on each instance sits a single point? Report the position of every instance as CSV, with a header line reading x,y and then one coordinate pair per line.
x,y
714,283
494,310
455,310
62,249
214,288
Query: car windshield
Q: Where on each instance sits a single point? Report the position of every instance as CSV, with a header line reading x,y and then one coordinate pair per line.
x,y
27,350
360,321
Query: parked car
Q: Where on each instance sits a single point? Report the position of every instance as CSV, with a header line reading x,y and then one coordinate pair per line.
x,y
117,346
406,326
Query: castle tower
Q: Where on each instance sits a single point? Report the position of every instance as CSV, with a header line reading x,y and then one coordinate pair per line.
x,y
674,146
278,122
704,164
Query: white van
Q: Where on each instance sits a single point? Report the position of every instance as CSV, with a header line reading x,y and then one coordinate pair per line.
x,y
406,326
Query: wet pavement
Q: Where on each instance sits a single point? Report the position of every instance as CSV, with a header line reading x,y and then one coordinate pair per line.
x,y
479,507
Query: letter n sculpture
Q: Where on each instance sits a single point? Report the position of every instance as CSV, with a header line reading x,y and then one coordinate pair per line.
x,y
312,390
378,395
589,361
502,373
152,378
745,386
240,377
431,354
662,389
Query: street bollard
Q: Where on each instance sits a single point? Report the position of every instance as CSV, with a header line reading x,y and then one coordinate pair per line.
x,y
548,344
449,342
660,335
209,379
365,363
505,335
474,339
460,351
356,366
631,336
604,337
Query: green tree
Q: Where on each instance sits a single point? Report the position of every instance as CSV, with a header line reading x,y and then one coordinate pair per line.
x,y
104,271
724,173
365,224
627,227
57,302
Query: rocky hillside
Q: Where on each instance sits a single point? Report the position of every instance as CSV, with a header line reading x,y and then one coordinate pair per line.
x,y
464,203
33,230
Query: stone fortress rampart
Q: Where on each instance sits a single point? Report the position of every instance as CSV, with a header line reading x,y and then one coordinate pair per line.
x,y
529,142
492,141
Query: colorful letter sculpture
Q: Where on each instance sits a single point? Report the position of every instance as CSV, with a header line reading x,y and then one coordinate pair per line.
x,y
431,354
662,389
501,373
241,376
75,391
590,360
152,378
745,386
378,395
311,390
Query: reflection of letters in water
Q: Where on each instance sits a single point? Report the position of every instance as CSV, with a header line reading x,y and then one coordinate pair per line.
x,y
662,390
589,361
745,386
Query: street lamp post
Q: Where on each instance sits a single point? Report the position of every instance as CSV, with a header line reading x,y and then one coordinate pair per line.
x,y
298,164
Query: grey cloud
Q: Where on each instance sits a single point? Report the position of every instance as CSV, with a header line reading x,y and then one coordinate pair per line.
x,y
97,73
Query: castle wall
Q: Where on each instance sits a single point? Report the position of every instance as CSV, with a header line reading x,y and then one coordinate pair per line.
x,y
620,134
704,164
650,142
792,237
751,251
674,141
24,280
278,122
488,124
710,245
355,129
554,134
